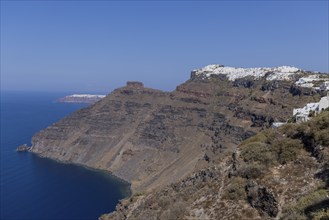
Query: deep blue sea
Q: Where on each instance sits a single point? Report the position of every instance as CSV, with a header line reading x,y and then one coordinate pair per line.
x,y
38,188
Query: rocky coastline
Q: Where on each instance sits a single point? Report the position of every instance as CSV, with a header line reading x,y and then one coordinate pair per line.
x,y
154,140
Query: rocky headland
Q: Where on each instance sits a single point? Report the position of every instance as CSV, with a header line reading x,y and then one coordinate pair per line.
x,y
185,146
23,148
81,98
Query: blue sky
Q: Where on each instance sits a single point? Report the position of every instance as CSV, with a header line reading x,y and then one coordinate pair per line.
x,y
96,46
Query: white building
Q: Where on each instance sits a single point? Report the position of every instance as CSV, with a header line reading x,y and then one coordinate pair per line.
x,y
324,86
324,103
278,124
307,85
303,114
308,79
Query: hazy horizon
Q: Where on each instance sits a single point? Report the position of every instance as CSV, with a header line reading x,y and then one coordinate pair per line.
x,y
84,46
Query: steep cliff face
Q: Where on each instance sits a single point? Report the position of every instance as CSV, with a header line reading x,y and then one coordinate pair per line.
x,y
277,174
152,138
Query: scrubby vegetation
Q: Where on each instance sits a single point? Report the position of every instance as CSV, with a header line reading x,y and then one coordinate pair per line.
x,y
281,146
236,189
277,174
313,205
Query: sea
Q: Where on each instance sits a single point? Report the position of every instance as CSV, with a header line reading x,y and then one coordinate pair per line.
x,y
39,188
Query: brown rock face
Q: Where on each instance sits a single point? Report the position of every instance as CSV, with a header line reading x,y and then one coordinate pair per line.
x,y
152,138
262,199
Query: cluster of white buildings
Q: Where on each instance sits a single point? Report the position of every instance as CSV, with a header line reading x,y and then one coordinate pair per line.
x,y
304,114
308,111
276,73
233,73
308,82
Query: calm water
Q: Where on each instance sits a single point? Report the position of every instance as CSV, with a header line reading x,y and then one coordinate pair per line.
x,y
38,188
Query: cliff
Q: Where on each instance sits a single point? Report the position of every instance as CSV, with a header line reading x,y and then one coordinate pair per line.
x,y
278,174
152,138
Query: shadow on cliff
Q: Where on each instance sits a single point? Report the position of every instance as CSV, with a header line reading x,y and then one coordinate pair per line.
x,y
324,175
323,205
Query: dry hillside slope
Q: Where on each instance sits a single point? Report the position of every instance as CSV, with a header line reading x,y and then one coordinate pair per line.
x,y
277,174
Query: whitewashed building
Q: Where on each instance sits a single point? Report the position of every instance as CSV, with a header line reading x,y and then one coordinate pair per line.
x,y
324,86
306,80
303,114
324,103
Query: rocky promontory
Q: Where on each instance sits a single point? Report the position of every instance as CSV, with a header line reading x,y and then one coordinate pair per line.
x,y
81,98
23,148
153,139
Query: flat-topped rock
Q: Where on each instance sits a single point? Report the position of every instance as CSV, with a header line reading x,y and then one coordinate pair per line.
x,y
135,84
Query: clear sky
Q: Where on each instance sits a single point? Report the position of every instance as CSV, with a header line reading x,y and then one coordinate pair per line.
x,y
96,46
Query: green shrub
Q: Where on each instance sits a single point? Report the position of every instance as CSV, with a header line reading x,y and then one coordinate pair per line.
x,y
283,151
287,150
261,138
303,203
294,216
290,130
321,215
322,137
266,136
257,152
311,199
252,170
320,122
236,189
271,136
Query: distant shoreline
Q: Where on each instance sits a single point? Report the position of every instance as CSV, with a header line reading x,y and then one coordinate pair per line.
x,y
81,98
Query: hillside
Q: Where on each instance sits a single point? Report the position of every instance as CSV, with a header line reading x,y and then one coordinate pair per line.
x,y
152,138
277,174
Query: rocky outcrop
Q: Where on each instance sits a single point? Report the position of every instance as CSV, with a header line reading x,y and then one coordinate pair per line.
x,y
135,84
23,148
246,83
262,199
298,91
270,86
264,100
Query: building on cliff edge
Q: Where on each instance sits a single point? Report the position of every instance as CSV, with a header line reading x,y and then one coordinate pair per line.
x,y
311,109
